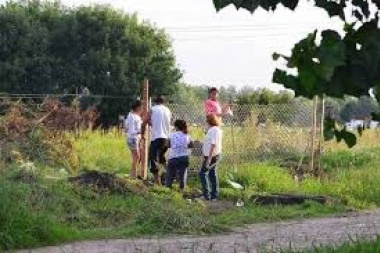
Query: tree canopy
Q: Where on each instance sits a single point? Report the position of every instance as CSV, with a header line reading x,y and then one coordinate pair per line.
x,y
338,65
46,48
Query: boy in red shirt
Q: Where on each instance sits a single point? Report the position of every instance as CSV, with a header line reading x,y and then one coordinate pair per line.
x,y
212,105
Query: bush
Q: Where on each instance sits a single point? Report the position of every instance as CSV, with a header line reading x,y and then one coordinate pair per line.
x,y
24,136
22,227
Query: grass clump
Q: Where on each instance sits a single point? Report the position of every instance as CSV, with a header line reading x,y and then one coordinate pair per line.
x,y
23,226
352,247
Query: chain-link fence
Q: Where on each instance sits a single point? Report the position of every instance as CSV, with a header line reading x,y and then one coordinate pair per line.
x,y
277,132
280,133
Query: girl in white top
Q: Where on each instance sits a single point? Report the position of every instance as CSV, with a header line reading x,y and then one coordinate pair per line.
x,y
212,150
179,143
133,124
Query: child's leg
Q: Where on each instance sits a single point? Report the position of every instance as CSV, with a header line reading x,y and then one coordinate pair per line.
x,y
134,152
153,153
203,174
135,161
170,173
213,177
182,172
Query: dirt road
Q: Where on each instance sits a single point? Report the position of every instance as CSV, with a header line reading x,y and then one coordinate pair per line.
x,y
252,238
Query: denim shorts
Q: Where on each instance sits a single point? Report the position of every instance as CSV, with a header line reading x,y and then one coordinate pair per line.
x,y
133,143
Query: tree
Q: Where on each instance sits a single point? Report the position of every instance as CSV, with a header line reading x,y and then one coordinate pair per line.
x,y
339,65
358,108
50,49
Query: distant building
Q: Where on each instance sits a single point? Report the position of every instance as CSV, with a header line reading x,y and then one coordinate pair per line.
x,y
364,123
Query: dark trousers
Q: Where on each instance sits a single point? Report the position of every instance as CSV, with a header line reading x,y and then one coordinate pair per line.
x,y
157,152
177,167
209,178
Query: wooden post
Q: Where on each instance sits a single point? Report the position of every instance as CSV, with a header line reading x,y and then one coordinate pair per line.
x,y
313,134
145,142
321,135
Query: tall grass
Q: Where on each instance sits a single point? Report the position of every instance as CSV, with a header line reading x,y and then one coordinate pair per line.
x,y
105,151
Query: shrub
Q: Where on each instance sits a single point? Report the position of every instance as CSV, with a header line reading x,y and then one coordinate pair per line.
x,y
20,227
25,136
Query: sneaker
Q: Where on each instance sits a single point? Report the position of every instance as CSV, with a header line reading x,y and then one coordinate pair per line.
x,y
214,200
204,198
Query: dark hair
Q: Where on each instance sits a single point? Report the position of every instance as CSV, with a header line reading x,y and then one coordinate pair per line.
x,y
159,99
212,89
136,105
181,125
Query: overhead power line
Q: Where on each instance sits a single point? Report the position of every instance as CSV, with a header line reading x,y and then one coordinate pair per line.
x,y
250,26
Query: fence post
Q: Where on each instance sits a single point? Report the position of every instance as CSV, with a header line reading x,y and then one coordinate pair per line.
x,y
313,134
145,142
321,134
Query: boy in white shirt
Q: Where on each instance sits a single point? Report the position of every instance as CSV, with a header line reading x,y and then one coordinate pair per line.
x,y
133,124
212,150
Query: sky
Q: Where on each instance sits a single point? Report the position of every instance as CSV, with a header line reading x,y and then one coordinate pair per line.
x,y
229,47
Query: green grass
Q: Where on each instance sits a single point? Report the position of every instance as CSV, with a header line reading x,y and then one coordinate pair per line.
x,y
103,151
44,209
353,247
35,211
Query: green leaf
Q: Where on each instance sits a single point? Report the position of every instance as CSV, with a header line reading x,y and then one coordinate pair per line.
x,y
328,134
276,56
269,5
348,137
331,54
338,135
220,4
291,4
250,5
308,79
332,8
237,3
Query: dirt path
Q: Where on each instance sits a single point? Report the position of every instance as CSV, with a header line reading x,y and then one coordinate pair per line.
x,y
253,238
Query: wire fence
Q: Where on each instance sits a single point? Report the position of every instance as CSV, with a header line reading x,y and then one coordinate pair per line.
x,y
281,133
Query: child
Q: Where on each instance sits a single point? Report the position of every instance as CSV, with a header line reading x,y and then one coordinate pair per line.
x,y
133,124
179,143
212,150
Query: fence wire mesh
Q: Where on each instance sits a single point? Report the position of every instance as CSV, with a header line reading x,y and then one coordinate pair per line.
x,y
276,132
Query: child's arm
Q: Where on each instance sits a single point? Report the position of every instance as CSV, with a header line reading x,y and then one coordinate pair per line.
x,y
210,155
191,143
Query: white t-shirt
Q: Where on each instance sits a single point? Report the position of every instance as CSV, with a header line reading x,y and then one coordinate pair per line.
x,y
160,119
213,137
132,125
179,144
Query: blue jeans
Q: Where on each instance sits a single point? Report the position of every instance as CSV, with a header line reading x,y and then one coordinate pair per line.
x,y
177,168
157,152
209,178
